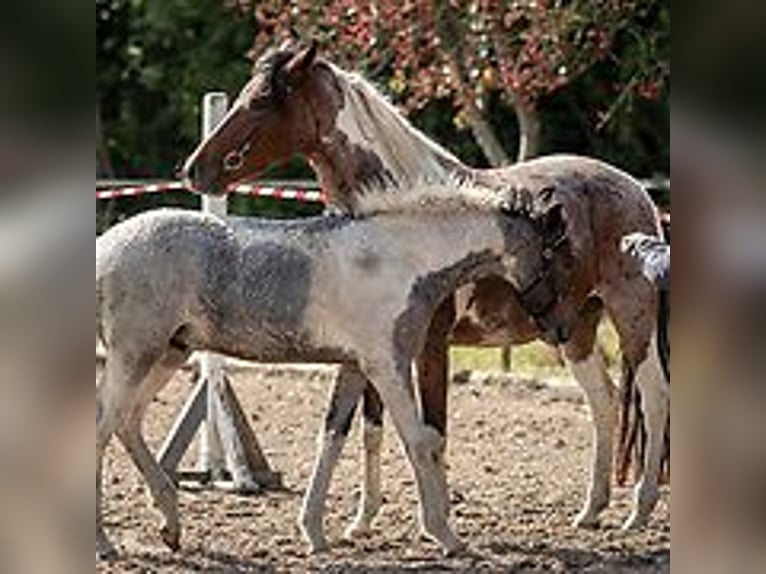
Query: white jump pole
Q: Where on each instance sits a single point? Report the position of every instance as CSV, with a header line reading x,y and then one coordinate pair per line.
x,y
211,457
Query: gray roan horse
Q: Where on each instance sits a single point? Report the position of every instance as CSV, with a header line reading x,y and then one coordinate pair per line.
x,y
355,290
299,103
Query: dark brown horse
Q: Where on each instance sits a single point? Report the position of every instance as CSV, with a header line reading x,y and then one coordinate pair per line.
x,y
298,103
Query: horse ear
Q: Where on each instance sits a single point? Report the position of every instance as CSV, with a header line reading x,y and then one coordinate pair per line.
x,y
295,69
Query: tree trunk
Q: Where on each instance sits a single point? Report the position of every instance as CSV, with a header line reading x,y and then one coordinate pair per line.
x,y
450,32
485,137
529,130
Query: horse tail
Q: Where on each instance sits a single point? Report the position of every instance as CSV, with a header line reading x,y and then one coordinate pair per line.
x,y
631,445
630,422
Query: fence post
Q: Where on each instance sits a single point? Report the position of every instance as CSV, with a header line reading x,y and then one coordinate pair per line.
x,y
210,458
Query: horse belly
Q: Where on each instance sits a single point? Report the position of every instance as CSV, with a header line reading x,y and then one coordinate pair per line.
x,y
489,313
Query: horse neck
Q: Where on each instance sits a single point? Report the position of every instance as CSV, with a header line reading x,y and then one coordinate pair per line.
x,y
372,146
464,242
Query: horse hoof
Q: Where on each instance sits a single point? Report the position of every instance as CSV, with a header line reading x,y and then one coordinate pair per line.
x,y
356,531
313,533
171,538
635,522
586,522
455,548
317,544
318,548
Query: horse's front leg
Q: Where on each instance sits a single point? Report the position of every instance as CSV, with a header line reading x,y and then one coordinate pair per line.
x,y
343,400
628,305
589,370
370,498
423,445
433,373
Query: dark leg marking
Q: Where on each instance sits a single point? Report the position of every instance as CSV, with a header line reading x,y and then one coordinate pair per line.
x,y
628,428
372,408
339,416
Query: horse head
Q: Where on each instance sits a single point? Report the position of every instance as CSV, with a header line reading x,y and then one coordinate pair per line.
x,y
286,107
548,296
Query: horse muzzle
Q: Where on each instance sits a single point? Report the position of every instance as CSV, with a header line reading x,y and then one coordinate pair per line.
x,y
196,180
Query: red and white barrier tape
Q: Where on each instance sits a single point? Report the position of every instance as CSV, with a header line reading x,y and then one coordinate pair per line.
x,y
279,192
250,189
135,190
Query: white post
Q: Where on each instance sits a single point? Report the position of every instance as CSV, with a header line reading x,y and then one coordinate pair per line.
x,y
211,457
214,107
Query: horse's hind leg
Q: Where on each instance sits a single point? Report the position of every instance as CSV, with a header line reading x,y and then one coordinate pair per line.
x,y
161,487
106,422
371,498
632,311
652,384
423,445
345,395
114,397
589,370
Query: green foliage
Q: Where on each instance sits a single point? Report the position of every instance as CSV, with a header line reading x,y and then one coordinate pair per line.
x,y
154,60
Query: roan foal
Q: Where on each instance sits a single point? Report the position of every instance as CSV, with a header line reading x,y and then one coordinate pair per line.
x,y
359,291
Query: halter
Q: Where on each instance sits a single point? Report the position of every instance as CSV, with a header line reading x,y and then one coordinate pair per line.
x,y
235,159
541,295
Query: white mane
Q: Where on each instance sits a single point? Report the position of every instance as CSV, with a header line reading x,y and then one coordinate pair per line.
x,y
371,121
450,194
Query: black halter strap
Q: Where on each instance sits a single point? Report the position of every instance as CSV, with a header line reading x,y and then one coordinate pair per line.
x,y
541,295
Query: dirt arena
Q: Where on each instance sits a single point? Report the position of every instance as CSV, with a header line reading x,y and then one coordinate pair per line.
x,y
517,455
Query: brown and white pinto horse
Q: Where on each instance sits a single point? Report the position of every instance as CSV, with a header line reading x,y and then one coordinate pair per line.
x,y
298,103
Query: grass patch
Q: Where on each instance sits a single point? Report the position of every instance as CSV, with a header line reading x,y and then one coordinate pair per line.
x,y
534,359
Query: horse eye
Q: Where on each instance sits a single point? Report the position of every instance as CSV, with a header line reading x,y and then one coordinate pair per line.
x,y
269,98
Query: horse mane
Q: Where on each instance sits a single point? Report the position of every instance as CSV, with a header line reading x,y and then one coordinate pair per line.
x,y
407,152
452,194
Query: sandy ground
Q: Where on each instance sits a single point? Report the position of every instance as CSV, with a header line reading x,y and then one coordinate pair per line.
x,y
518,455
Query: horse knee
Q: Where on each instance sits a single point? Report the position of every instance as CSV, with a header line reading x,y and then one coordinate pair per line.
x,y
427,445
